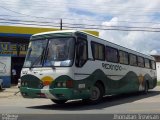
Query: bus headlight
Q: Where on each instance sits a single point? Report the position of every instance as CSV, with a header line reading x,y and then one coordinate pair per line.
x,y
64,84
24,84
68,84
58,84
61,84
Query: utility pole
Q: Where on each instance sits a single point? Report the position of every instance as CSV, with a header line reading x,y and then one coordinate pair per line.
x,y
61,24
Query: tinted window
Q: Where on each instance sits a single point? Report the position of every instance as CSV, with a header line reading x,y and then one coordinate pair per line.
x,y
111,54
35,53
153,64
81,52
147,63
140,61
60,52
97,51
123,57
133,60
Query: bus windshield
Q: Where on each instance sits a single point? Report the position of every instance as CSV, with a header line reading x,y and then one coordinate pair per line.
x,y
60,52
35,52
52,52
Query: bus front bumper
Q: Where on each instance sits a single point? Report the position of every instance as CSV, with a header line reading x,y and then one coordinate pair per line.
x,y
56,93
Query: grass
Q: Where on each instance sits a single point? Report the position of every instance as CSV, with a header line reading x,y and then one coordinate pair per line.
x,y
158,83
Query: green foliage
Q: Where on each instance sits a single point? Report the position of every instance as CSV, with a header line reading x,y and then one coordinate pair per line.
x,y
158,82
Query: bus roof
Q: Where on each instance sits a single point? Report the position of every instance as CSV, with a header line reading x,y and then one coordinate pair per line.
x,y
132,51
74,31
52,32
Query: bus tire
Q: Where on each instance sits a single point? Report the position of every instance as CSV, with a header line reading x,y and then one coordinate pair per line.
x,y
96,94
146,87
59,101
1,87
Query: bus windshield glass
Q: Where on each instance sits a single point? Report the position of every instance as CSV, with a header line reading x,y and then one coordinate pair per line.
x,y
35,53
49,53
60,52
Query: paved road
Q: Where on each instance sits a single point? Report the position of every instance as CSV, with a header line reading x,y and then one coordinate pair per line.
x,y
131,103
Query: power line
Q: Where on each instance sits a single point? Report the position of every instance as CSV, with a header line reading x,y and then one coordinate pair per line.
x,y
20,13
89,7
30,21
121,21
76,13
57,21
102,11
110,5
156,28
72,24
86,19
89,27
70,19
30,24
116,29
27,15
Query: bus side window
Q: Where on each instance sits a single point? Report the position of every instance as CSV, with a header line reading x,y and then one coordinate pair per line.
x,y
123,57
147,63
153,65
133,60
112,54
140,61
98,51
81,52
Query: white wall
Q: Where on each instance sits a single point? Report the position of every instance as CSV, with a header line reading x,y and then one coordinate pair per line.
x,y
158,70
5,65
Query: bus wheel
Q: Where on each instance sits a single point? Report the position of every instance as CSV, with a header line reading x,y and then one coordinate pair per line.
x,y
1,87
59,101
146,88
96,94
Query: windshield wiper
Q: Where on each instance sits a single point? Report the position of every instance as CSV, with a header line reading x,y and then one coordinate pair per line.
x,y
53,67
39,57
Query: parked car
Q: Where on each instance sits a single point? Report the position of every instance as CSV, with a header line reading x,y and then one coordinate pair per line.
x,y
1,83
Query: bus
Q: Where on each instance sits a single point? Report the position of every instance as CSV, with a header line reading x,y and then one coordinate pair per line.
x,y
69,65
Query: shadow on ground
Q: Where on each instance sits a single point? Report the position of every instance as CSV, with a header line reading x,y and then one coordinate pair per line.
x,y
3,89
108,101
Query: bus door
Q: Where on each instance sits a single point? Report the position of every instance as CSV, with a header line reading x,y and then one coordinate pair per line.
x,y
81,58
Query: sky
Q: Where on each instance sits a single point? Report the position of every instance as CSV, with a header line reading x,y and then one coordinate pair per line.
x,y
134,24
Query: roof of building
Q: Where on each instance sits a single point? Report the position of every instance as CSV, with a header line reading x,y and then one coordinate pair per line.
x,y
24,31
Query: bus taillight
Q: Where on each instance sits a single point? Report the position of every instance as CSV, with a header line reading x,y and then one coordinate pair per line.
x,y
69,83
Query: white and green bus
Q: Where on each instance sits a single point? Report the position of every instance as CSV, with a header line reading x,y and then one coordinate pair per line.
x,y
67,65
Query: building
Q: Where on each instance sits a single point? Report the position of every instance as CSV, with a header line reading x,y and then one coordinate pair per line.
x,y
13,46
157,58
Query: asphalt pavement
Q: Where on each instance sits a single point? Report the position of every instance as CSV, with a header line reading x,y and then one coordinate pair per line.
x,y
11,102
